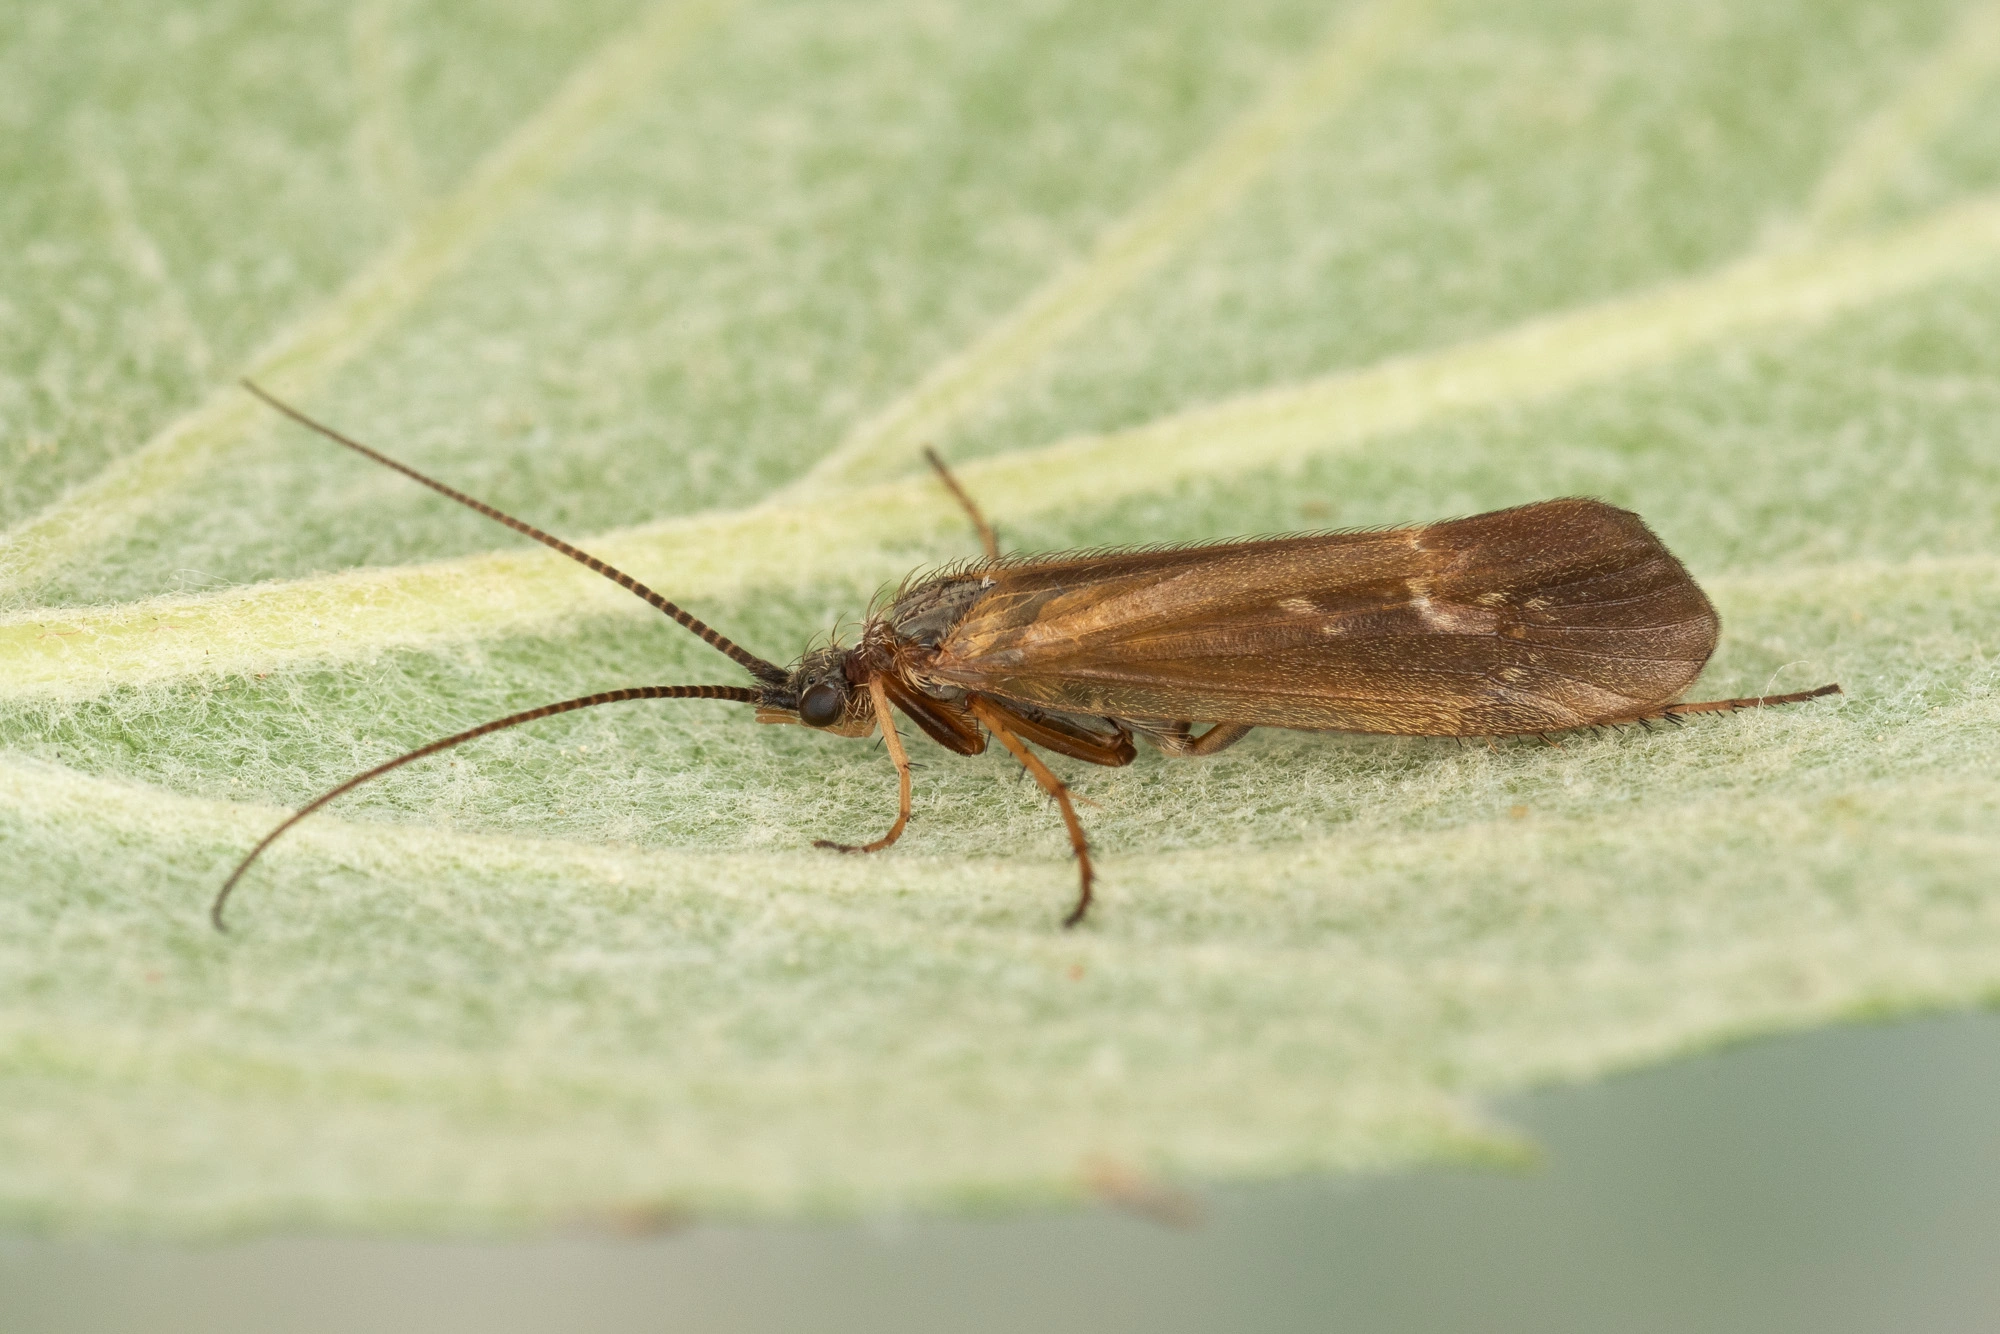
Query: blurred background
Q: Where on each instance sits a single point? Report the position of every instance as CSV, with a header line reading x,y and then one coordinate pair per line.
x,y
1835,1181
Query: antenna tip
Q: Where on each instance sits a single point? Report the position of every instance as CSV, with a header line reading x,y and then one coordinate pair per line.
x,y
215,908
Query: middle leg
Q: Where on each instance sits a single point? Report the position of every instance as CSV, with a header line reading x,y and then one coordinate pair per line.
x,y
996,723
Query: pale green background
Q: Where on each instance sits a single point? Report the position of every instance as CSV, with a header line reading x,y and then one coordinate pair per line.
x,y
1835,1182
594,969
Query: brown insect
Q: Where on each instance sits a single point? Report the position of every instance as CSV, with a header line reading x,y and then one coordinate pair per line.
x,y
1543,618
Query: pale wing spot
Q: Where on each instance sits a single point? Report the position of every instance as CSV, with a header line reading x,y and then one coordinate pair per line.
x,y
1453,619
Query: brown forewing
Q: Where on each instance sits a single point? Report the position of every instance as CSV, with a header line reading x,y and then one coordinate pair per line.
x,y
1552,615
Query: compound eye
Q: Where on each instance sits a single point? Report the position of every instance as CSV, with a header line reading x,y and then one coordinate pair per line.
x,y
821,705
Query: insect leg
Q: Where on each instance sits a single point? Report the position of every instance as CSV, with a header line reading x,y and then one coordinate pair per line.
x,y
1732,705
1221,737
1218,738
995,723
1178,741
987,537
1065,736
947,724
887,720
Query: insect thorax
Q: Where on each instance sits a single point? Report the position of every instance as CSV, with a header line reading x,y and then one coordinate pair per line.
x,y
924,615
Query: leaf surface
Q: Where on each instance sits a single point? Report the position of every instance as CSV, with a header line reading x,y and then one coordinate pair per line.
x,y
692,281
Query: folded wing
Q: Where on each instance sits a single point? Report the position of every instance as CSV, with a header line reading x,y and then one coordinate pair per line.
x,y
1549,616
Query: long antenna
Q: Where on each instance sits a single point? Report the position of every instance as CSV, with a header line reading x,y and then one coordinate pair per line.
x,y
756,666
736,694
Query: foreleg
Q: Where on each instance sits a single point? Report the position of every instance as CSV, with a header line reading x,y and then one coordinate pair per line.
x,y
887,722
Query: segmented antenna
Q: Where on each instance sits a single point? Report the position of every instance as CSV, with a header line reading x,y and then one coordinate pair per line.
x,y
756,666
735,694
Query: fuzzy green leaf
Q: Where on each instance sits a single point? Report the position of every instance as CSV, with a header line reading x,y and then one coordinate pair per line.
x,y
694,281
